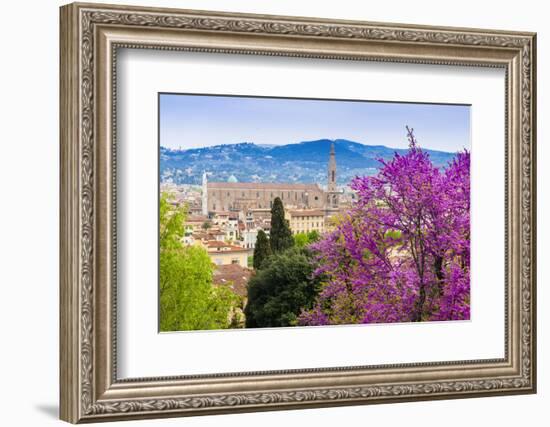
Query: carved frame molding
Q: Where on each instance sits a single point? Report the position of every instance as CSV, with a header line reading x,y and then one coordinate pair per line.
x,y
90,37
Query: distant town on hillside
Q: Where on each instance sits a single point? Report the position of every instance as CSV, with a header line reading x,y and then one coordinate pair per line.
x,y
303,162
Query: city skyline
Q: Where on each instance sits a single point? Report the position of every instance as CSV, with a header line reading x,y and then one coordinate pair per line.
x,y
194,121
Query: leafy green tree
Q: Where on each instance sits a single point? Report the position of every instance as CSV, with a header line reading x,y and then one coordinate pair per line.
x,y
303,239
188,300
262,250
300,240
283,287
171,220
313,236
280,236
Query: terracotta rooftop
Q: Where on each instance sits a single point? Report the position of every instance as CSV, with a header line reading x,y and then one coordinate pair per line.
x,y
307,213
215,244
202,235
234,276
196,218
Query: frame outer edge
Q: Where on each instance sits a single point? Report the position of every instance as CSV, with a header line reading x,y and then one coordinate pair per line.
x,y
69,355
533,206
77,339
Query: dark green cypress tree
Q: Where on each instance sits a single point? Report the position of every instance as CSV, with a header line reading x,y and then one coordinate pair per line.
x,y
262,250
280,236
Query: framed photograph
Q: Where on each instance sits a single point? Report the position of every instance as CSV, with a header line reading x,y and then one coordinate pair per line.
x,y
266,212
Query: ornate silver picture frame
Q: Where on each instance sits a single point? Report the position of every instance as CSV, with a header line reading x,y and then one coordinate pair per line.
x,y
91,36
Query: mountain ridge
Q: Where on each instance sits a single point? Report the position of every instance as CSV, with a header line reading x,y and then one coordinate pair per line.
x,y
301,162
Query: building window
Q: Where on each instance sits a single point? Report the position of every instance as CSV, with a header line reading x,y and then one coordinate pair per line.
x,y
228,194
258,194
332,176
243,193
234,261
316,198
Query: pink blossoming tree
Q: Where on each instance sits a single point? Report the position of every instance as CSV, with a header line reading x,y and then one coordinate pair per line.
x,y
402,253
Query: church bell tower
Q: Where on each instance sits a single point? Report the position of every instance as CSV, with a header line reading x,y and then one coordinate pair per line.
x,y
332,170
332,189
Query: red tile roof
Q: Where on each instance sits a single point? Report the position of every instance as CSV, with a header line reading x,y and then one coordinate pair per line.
x,y
196,218
214,244
302,213
234,276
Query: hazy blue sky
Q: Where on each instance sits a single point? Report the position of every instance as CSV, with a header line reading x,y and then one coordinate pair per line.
x,y
191,121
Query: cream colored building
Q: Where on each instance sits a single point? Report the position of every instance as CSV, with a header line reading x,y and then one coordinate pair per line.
x,y
306,220
222,253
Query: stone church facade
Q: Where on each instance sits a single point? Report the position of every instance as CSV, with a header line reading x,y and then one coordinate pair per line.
x,y
244,196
